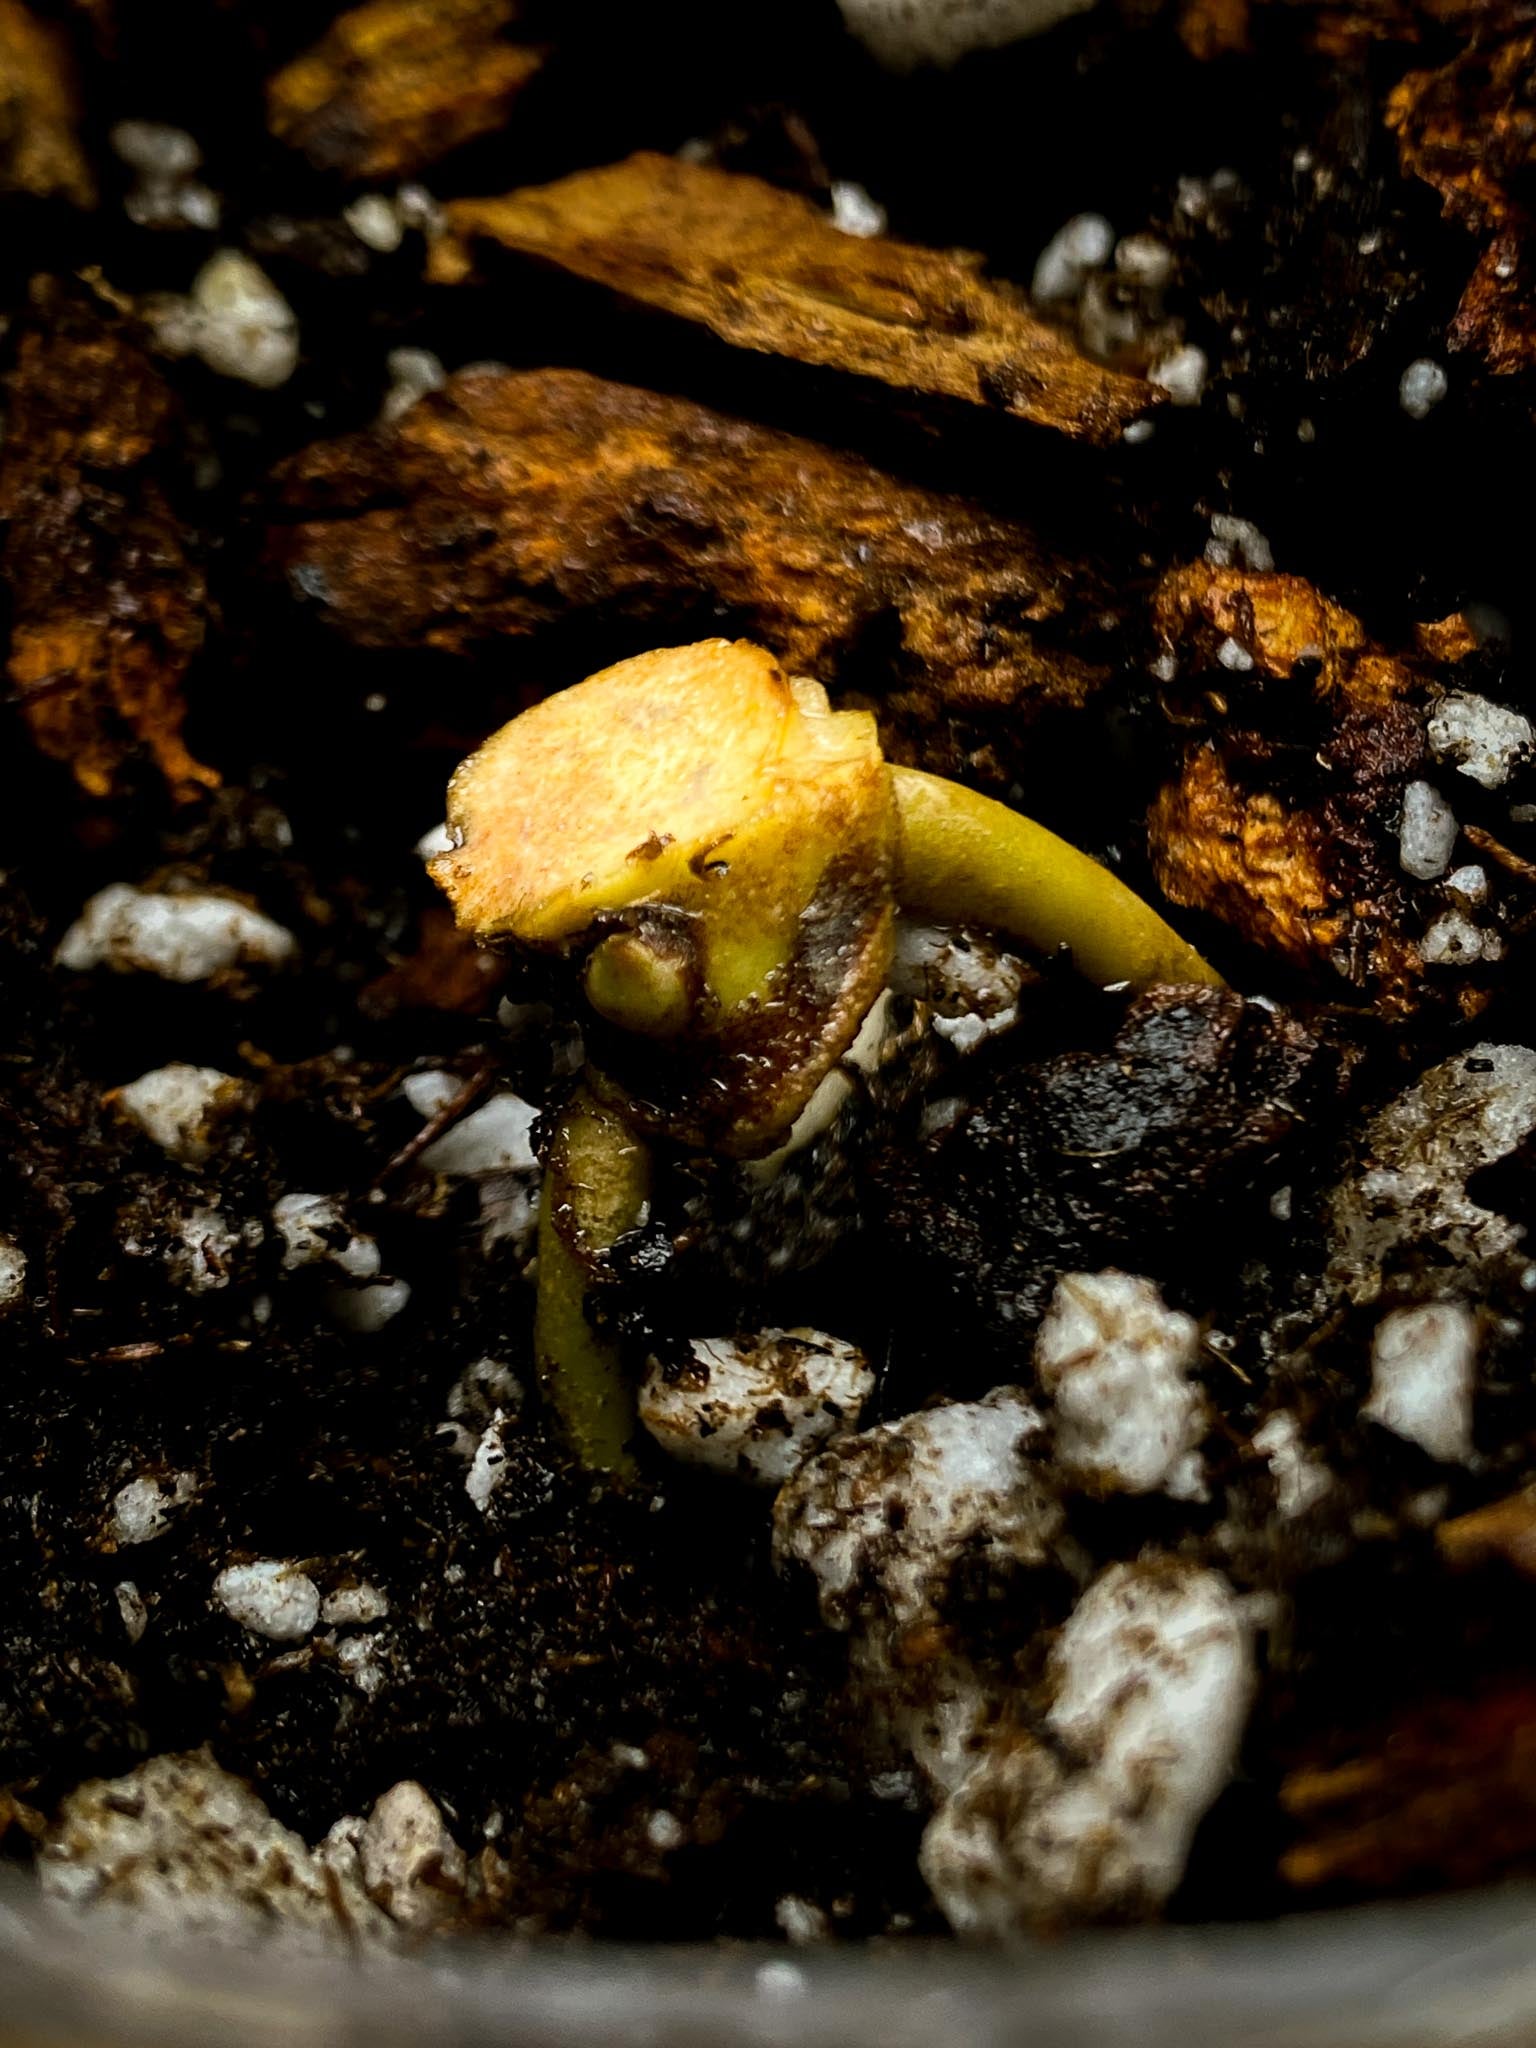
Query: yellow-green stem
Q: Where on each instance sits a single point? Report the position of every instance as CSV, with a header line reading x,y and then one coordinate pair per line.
x,y
597,1181
965,859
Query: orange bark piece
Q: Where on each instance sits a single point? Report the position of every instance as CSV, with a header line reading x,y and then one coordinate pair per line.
x,y
766,270
107,607
1278,621
394,85
1443,1796
40,151
519,501
1244,857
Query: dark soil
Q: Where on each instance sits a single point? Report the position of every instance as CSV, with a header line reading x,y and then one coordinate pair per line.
x,y
525,1642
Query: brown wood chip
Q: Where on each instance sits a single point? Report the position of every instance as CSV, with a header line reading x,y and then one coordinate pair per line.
x,y
516,501
766,270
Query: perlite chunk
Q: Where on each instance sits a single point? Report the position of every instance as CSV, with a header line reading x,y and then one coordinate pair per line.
x,y
1423,1371
270,1597
188,1849
755,1407
178,1106
181,935
905,33
883,1520
1409,1195
1484,740
1116,1362
1152,1679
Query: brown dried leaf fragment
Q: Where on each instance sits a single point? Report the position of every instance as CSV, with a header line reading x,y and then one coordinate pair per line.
x,y
766,270
1209,29
1444,1796
107,609
1278,622
40,153
1283,822
1502,1532
1244,856
1350,29
1468,130
514,500
1496,318
396,84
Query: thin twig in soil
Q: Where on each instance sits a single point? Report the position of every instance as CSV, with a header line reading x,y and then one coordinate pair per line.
x,y
441,1120
1496,850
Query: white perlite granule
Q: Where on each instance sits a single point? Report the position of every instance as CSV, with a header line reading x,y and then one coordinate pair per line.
x,y
488,1467
375,220
664,1831
1301,1480
799,1920
882,1519
235,318
411,1866
1422,386
165,193
854,212
241,324
183,936
1116,1362
142,1509
1080,246
13,1273
199,1258
1423,1372
1484,740
1427,835
496,1138
185,1849
269,1598
133,1610
314,1229
1181,374
413,373
906,33
359,1659
354,1607
755,1407
1153,1676
1417,1156
1237,541
1453,940
176,1106
431,1090
963,975
153,147
1144,261
365,1310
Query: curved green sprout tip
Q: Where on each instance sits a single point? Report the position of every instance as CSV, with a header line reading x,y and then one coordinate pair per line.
x,y
725,855
967,860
